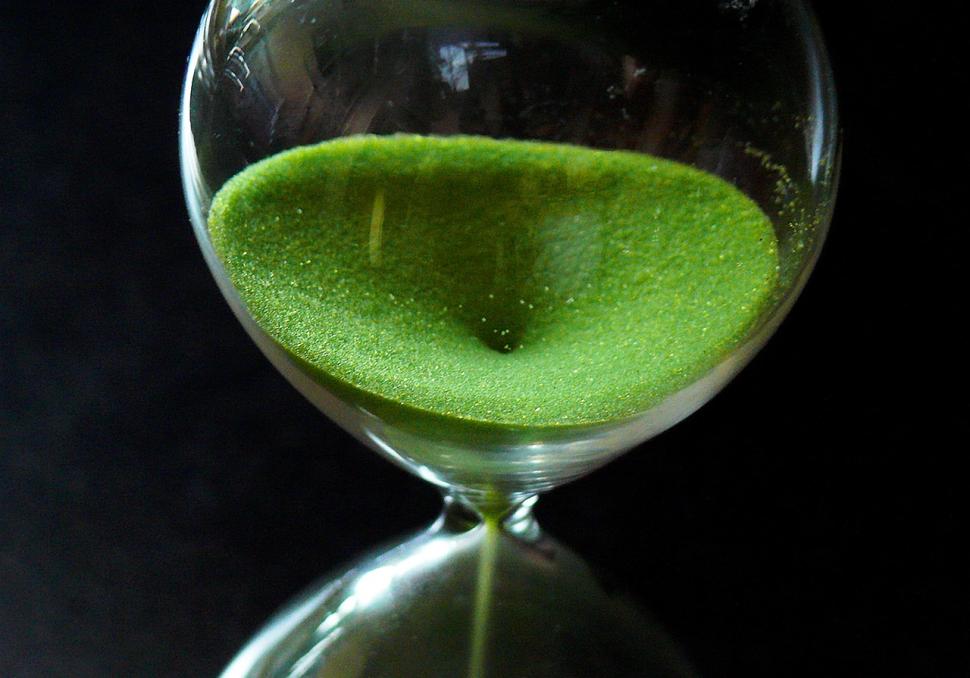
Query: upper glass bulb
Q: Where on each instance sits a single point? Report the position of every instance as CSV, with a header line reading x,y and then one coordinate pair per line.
x,y
503,242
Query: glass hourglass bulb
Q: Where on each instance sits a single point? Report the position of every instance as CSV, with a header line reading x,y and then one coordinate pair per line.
x,y
501,242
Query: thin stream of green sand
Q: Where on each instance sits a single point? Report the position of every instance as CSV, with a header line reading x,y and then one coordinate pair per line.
x,y
505,283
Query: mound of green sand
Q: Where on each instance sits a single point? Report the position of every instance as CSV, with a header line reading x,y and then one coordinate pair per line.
x,y
509,283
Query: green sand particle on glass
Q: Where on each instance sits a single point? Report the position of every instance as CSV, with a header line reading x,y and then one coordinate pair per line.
x,y
509,283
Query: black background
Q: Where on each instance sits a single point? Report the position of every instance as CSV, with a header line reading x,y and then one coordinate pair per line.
x,y
162,489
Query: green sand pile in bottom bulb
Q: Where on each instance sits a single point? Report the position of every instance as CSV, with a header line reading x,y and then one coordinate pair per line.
x,y
508,283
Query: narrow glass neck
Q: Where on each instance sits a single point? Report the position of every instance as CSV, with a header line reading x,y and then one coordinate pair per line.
x,y
511,514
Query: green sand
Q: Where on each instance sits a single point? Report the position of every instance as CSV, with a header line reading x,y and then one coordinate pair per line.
x,y
513,284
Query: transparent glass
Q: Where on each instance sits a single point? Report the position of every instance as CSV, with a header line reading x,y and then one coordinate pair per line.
x,y
741,90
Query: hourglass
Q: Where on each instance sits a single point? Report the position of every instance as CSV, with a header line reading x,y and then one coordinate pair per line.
x,y
501,242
